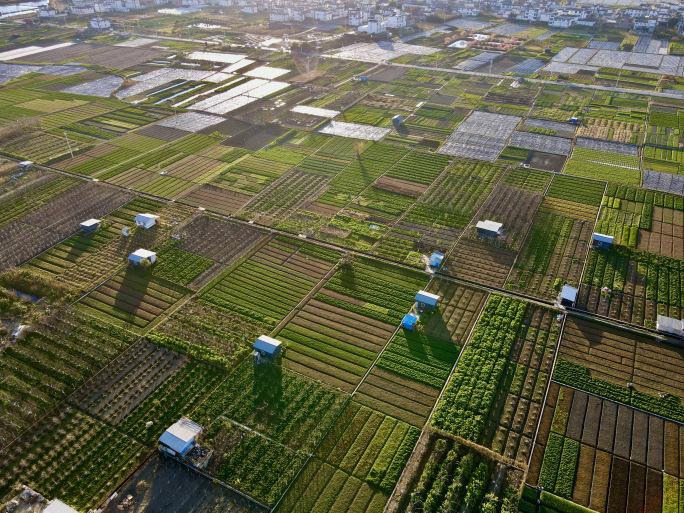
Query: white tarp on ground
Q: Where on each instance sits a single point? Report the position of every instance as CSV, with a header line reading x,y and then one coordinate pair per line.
x,y
355,130
239,96
481,136
30,50
227,58
238,65
315,111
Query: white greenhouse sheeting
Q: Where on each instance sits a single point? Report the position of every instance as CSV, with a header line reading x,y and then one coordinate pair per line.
x,y
227,58
355,130
381,51
191,121
30,50
138,41
160,77
227,95
238,65
101,87
266,72
315,111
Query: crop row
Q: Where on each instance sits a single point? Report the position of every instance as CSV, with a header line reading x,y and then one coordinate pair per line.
x,y
470,393
576,189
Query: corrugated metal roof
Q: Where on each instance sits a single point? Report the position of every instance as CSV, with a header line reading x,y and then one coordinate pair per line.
x,y
603,238
436,258
267,344
670,324
91,222
490,226
141,254
426,297
145,217
569,293
180,434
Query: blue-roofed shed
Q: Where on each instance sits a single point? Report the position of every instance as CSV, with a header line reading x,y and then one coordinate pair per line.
x,y
268,347
600,240
436,259
568,296
426,300
409,321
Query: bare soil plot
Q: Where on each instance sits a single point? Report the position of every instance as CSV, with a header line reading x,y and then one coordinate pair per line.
x,y
626,456
127,381
546,161
163,485
255,137
480,262
621,357
666,236
517,408
215,198
400,186
164,133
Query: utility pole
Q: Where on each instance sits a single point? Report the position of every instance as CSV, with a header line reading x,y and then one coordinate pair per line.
x,y
68,145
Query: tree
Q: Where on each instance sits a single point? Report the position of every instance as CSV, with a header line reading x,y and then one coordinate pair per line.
x,y
346,263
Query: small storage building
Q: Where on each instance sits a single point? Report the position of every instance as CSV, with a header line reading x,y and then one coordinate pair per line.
x,y
397,120
140,255
489,228
409,321
436,259
25,165
426,300
670,325
91,225
267,347
180,438
146,220
568,296
600,240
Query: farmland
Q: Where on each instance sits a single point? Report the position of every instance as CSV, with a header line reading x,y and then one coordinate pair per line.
x,y
306,196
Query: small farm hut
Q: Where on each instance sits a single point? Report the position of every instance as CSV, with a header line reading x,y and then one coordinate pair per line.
x,y
568,296
409,321
140,255
489,228
25,165
670,325
57,506
398,119
436,259
91,225
599,240
267,347
146,220
426,300
180,438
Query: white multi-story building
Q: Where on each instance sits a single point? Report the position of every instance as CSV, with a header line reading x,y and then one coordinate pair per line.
x,y
323,14
375,26
99,23
357,17
397,20
645,25
280,15
562,20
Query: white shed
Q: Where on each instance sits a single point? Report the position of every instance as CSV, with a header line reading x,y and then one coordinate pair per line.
x,y
489,228
146,220
139,255
90,225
